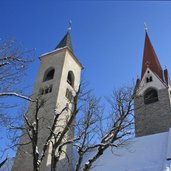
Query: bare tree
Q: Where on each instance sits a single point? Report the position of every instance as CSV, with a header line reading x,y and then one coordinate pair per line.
x,y
89,125
115,134
31,129
57,139
3,162
14,61
91,134
94,129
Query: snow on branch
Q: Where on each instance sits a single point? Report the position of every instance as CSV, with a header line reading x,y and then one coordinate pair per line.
x,y
16,95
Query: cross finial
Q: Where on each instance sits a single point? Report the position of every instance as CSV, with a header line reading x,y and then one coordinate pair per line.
x,y
69,25
145,26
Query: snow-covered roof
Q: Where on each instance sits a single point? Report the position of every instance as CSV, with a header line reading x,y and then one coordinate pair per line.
x,y
147,153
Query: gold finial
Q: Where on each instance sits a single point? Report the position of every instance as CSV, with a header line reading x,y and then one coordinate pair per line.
x,y
69,25
145,26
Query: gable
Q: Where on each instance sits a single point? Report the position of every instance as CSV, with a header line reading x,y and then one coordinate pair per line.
x,y
150,79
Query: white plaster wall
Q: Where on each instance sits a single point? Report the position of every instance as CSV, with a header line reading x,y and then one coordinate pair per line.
x,y
63,61
156,83
69,65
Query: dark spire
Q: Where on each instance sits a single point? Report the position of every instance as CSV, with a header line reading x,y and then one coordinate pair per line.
x,y
66,41
150,59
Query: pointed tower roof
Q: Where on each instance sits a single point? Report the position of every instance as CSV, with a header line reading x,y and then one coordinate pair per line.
x,y
150,59
65,42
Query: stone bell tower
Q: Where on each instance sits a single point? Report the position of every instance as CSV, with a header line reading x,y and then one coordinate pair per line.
x,y
152,99
57,82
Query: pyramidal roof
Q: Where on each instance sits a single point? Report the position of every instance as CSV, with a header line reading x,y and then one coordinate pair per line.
x,y
150,59
65,42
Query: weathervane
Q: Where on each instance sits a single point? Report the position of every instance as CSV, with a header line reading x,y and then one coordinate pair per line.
x,y
145,26
69,25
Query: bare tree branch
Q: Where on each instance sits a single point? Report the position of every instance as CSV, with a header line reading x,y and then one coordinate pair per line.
x,y
16,95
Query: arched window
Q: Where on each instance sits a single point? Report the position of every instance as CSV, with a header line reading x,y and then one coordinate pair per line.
x,y
49,74
149,79
70,78
150,96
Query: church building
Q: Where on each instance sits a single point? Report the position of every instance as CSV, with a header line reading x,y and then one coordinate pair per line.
x,y
153,95
58,81
150,150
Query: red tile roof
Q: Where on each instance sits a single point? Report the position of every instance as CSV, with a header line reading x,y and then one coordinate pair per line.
x,y
150,59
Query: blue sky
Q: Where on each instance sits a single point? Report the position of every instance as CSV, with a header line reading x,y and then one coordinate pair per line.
x,y
107,37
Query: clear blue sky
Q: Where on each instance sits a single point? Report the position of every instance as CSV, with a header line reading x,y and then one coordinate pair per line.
x,y
108,37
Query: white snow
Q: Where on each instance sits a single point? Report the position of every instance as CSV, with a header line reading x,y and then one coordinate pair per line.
x,y
37,151
147,153
53,51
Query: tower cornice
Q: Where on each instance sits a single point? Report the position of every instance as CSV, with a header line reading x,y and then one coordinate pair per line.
x,y
62,50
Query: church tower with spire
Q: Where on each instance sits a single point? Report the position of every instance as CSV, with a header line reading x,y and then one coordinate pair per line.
x,y
57,82
152,98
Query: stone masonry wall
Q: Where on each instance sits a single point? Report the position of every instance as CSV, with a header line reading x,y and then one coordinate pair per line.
x,y
152,118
